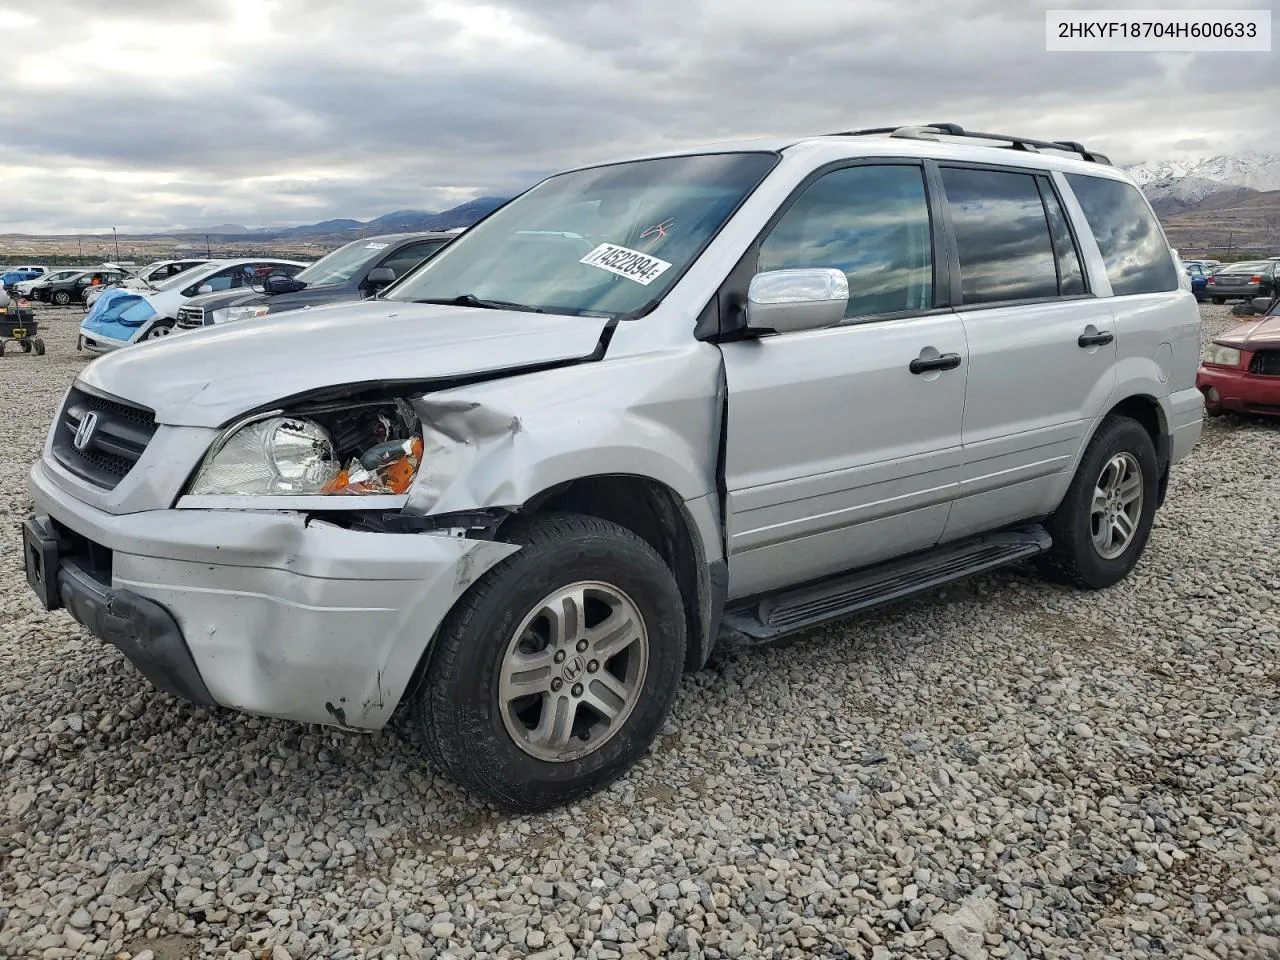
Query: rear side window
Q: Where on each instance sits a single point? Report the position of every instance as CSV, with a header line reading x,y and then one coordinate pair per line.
x,y
1132,246
872,222
1070,273
1002,235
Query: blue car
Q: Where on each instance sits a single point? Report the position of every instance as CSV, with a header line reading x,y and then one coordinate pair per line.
x,y
18,274
118,315
1199,278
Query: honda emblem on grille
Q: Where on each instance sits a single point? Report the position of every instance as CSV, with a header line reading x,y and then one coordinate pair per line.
x,y
84,432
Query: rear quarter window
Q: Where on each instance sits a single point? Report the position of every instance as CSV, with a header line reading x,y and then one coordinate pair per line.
x,y
1133,247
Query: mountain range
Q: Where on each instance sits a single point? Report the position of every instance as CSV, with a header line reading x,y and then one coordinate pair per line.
x,y
1175,186
398,221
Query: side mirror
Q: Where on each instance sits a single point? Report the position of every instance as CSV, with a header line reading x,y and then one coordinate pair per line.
x,y
204,288
789,301
380,277
279,283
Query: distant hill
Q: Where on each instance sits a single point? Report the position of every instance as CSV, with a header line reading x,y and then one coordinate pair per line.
x,y
1251,223
1178,195
399,221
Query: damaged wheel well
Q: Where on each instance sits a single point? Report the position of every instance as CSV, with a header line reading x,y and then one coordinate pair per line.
x,y
656,514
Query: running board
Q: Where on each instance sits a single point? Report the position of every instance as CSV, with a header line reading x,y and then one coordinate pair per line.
x,y
775,614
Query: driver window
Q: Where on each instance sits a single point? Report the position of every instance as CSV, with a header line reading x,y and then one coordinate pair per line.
x,y
872,222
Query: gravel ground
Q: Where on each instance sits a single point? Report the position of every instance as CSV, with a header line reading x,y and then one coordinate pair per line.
x,y
1007,769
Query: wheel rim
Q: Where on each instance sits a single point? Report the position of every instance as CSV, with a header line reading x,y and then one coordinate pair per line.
x,y
62,299
573,671
1117,506
160,331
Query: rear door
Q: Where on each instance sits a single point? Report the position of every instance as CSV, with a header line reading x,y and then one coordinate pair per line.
x,y
838,455
1042,348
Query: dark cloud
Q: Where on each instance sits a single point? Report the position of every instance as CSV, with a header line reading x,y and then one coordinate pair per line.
x,y
160,114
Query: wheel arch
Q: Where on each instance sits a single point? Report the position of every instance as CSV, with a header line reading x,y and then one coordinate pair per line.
x,y
655,513
1150,414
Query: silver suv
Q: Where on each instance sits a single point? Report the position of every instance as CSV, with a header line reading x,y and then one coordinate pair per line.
x,y
747,387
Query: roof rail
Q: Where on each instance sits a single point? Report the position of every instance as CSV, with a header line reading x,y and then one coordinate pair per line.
x,y
936,131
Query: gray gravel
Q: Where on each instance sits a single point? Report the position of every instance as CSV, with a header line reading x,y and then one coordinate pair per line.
x,y
1006,770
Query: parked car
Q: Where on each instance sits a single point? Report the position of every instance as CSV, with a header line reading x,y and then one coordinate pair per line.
x,y
23,288
15,275
102,332
1243,281
1198,277
753,386
72,289
1241,367
155,273
352,272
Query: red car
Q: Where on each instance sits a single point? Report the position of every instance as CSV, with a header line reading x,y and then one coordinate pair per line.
x,y
1241,368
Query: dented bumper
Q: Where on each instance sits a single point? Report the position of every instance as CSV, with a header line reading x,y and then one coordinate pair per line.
x,y
284,616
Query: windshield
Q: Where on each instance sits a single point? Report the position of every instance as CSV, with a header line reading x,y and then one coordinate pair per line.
x,y
342,264
607,241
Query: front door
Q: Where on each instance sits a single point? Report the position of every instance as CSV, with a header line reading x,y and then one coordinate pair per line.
x,y
837,454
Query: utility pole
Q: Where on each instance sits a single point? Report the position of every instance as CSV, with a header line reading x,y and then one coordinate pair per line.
x,y
79,249
115,240
207,248
1230,238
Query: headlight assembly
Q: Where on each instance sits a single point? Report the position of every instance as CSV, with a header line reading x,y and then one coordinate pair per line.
x,y
358,451
281,456
1222,356
231,314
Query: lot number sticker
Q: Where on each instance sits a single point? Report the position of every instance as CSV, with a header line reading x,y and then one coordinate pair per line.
x,y
632,264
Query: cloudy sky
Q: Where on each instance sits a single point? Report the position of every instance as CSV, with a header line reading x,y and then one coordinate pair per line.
x,y
158,114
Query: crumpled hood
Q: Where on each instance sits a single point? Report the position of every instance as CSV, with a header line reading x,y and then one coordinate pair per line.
x,y
1262,333
208,377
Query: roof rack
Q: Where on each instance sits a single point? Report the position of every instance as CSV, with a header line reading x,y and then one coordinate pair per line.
x,y
935,131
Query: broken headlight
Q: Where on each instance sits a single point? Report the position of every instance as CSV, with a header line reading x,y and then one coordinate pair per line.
x,y
372,449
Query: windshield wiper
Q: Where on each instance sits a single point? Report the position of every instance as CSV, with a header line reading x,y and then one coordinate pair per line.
x,y
470,300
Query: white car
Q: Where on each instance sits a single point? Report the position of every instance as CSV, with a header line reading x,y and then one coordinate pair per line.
x,y
122,320
23,287
153,274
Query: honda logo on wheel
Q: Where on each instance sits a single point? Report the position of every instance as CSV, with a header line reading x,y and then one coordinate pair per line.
x,y
84,432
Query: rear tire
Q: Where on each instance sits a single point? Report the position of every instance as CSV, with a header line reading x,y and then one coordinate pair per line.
x,y
1098,531
61,298
1219,300
522,628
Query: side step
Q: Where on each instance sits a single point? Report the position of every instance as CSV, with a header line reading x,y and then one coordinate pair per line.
x,y
775,614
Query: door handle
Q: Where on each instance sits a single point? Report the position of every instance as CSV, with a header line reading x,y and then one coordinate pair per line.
x,y
1100,339
947,361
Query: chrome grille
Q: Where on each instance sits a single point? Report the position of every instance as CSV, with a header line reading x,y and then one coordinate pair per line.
x,y
107,452
190,318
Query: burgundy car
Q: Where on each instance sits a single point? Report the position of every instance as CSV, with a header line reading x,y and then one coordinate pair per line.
x,y
1241,368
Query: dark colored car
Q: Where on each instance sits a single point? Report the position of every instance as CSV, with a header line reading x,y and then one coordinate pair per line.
x,y
1243,281
1199,278
72,289
352,272
1241,368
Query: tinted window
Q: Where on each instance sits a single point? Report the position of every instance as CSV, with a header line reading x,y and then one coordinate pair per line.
x,y
1002,234
406,258
1132,245
872,222
1070,273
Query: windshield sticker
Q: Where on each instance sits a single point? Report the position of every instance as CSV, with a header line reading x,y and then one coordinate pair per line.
x,y
375,246
632,264
659,230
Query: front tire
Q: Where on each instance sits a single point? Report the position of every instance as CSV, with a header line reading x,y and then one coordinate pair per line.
x,y
1102,525
61,298
555,672
161,329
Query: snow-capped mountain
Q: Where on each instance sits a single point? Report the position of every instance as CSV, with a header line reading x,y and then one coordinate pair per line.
x,y
1171,195
1260,171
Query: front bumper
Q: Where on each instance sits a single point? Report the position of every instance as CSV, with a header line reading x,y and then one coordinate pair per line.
x,y
282,615
94,342
1229,388
144,631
